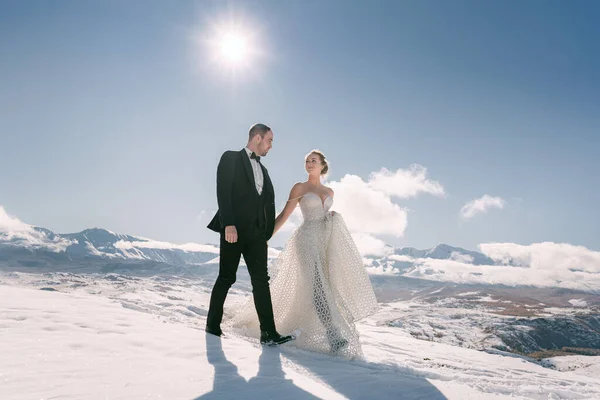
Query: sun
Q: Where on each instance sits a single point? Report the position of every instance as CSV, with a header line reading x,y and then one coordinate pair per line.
x,y
233,45
233,48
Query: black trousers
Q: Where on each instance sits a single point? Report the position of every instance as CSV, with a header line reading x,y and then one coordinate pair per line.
x,y
254,250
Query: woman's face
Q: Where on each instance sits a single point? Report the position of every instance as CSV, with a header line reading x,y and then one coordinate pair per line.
x,y
313,165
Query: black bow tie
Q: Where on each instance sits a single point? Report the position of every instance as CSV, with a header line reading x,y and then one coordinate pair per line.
x,y
254,156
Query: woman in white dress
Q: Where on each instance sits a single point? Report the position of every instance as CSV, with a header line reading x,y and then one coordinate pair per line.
x,y
319,284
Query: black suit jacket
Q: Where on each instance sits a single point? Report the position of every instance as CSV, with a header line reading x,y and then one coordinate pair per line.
x,y
239,202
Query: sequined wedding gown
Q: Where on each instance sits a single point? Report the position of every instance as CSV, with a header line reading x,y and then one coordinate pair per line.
x,y
319,285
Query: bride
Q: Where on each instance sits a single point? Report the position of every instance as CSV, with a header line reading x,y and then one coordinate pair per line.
x,y
319,284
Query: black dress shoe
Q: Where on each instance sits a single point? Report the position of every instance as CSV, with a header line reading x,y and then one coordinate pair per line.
x,y
213,331
274,338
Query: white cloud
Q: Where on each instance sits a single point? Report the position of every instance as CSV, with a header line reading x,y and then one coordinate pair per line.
x,y
459,272
540,264
370,245
385,269
465,258
405,183
367,206
16,232
578,303
293,221
481,205
547,256
368,261
12,225
188,247
401,258
367,210
153,244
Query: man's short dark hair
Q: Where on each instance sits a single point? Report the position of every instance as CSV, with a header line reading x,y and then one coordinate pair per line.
x,y
258,129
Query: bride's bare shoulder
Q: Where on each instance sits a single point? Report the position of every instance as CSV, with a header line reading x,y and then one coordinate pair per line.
x,y
329,191
299,186
298,190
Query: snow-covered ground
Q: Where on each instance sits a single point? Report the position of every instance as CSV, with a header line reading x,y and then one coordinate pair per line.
x,y
116,337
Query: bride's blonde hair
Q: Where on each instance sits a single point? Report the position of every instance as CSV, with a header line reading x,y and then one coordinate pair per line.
x,y
323,159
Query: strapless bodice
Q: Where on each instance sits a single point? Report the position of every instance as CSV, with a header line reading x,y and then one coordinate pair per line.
x,y
313,208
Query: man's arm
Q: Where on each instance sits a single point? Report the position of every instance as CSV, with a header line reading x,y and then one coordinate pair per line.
x,y
225,174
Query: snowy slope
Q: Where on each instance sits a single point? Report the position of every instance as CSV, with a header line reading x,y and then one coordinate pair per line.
x,y
134,338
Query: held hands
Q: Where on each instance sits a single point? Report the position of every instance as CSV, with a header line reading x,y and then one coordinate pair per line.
x,y
231,235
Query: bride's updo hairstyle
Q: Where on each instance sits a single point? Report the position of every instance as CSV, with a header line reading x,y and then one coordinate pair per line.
x,y
324,162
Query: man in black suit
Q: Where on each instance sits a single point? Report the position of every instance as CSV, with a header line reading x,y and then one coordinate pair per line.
x,y
245,220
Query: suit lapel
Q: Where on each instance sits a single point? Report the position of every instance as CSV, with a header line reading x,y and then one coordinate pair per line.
x,y
248,167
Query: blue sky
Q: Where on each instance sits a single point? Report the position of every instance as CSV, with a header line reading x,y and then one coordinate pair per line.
x,y
112,115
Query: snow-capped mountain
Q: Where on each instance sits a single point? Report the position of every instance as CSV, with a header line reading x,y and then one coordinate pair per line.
x,y
446,252
40,247
27,248
406,256
98,244
106,244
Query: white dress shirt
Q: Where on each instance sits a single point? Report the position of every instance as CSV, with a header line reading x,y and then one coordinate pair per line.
x,y
257,170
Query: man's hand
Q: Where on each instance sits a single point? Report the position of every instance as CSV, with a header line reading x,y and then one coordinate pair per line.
x,y
231,234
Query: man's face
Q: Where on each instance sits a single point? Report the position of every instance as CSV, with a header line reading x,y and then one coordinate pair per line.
x,y
265,144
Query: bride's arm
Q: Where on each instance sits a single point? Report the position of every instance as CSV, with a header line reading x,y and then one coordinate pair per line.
x,y
290,205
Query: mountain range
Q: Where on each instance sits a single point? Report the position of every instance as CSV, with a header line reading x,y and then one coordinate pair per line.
x,y
519,318
42,248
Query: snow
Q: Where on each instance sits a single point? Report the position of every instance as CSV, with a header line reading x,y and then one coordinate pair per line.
x,y
578,303
117,337
583,365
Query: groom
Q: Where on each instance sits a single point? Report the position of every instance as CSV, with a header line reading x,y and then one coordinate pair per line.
x,y
245,220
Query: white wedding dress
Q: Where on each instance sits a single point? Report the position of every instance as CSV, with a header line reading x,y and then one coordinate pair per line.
x,y
319,285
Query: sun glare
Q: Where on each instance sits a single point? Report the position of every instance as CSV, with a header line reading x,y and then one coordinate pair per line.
x,y
233,48
233,45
